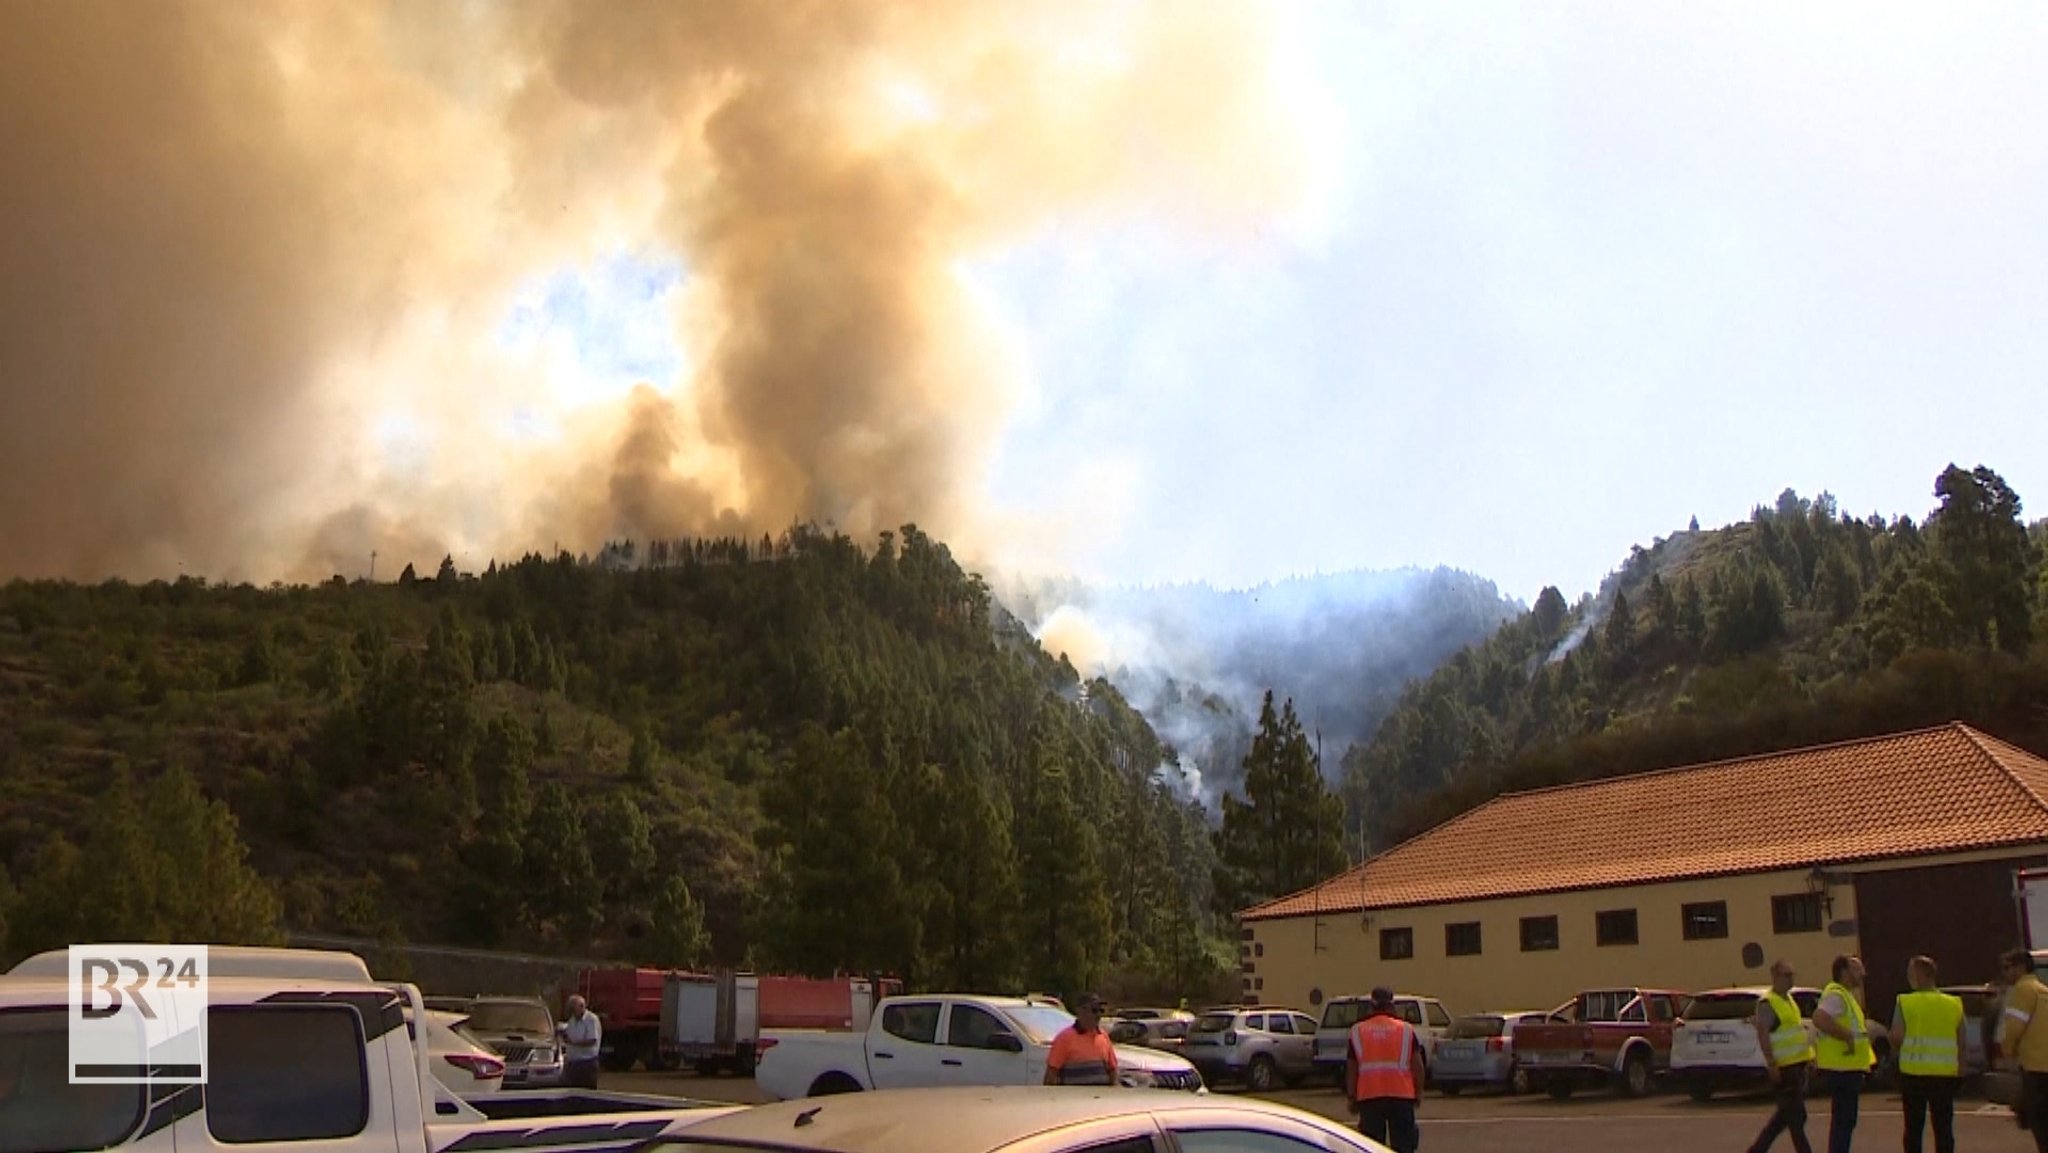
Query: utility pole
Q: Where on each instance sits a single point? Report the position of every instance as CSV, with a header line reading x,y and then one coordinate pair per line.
x,y
373,566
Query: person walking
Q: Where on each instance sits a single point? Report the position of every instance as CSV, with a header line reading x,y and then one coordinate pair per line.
x,y
2023,1041
1082,1053
581,1034
1383,1075
1844,1055
1788,1059
1927,1034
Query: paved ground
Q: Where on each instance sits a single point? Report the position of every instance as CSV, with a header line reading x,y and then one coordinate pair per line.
x,y
1600,1123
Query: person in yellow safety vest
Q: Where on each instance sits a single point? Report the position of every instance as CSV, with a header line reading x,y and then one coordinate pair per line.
x,y
1788,1056
1927,1034
1383,1075
2023,1041
1844,1055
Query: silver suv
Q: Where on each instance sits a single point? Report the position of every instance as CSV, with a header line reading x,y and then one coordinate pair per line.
x,y
1261,1046
1431,1020
523,1032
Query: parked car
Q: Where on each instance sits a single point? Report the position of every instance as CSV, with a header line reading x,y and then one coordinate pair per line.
x,y
1604,1036
467,1066
522,1031
1168,1034
1715,1046
942,1039
1982,1005
447,1004
1261,1045
1019,1120
1427,1015
1479,1052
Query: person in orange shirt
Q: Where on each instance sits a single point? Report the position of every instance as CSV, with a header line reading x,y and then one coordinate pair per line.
x,y
1383,1076
1082,1053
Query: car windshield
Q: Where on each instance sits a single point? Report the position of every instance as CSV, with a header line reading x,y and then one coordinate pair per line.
x,y
508,1017
1214,1022
1041,1023
1721,1007
41,1109
1478,1025
1342,1014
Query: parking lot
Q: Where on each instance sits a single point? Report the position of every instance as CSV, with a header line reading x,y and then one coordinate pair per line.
x,y
1594,1123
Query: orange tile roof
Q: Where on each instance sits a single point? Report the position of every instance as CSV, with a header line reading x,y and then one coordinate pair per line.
x,y
1942,790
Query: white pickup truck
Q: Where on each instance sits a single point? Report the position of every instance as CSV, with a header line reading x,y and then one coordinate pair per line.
x,y
294,1063
943,1039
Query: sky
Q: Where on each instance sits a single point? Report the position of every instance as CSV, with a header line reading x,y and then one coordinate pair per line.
x,y
1566,276
1103,290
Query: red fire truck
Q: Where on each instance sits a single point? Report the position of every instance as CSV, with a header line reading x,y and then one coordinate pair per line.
x,y
663,1018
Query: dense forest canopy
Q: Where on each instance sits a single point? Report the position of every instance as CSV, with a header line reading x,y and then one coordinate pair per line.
x,y
1800,625
796,753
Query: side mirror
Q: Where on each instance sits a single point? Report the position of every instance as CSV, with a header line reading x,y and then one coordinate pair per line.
x,y
1007,1042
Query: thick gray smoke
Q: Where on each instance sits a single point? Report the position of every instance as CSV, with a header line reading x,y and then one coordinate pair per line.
x,y
1196,661
243,241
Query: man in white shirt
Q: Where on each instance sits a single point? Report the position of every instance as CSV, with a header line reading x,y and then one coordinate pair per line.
x,y
580,1036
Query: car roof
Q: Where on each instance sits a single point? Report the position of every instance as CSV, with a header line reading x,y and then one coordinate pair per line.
x,y
233,961
1748,991
978,1118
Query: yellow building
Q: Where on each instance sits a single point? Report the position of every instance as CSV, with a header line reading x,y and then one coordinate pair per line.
x,y
1683,879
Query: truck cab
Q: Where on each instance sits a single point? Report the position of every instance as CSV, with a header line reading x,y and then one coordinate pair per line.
x,y
295,1063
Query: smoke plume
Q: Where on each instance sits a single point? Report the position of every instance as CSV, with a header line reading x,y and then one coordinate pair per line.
x,y
245,242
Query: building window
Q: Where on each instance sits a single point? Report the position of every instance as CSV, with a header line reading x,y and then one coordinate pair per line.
x,y
1258,982
1706,921
1615,927
1462,939
1397,944
1245,934
1797,913
1259,950
1539,934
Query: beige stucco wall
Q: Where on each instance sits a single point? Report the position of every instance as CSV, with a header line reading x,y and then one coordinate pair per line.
x,y
1285,964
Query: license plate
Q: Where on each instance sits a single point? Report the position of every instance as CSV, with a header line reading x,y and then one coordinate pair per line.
x,y
1459,1050
1713,1037
1551,1058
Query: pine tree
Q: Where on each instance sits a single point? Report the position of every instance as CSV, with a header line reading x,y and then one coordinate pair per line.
x,y
1287,833
562,886
624,855
1980,536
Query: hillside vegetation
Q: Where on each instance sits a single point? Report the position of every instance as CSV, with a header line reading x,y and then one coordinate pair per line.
x,y
1801,625
795,753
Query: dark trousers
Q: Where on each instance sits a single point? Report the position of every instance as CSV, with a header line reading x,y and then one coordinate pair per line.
x,y
1845,1093
1391,1122
1927,1097
2034,1106
1790,1114
580,1074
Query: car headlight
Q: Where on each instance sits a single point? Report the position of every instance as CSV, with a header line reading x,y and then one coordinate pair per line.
x,y
1137,1079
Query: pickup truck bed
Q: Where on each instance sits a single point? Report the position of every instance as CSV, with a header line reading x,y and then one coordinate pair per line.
x,y
1620,1037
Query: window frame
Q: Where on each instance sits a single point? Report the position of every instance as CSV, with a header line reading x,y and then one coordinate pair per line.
x,y
217,1068
1556,934
938,1008
1606,921
1690,911
1783,903
1453,944
1405,934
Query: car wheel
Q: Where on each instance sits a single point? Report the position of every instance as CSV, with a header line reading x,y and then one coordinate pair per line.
x,y
1559,1088
834,1083
1635,1074
1700,1091
1260,1077
1518,1079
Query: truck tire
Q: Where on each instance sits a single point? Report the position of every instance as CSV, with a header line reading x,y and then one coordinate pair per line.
x,y
1635,1074
664,1062
619,1059
1559,1087
1260,1078
1700,1091
1518,1079
834,1083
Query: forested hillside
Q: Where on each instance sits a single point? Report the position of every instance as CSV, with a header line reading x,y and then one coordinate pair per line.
x,y
817,754
1803,624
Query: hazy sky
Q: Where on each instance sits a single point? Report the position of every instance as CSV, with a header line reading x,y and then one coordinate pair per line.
x,y
1567,276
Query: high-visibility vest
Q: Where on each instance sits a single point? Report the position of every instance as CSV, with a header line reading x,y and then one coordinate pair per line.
x,y
1384,1047
1790,1043
1929,1049
1852,1056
